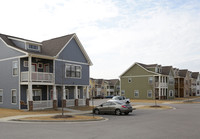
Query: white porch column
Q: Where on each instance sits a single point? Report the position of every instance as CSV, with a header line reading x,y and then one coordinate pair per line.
x,y
54,97
159,88
76,92
54,93
76,96
87,92
30,90
64,92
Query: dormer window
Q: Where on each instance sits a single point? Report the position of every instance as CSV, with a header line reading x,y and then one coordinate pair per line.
x,y
34,47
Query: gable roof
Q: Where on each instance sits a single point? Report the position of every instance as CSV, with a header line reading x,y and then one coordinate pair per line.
x,y
52,47
183,72
166,70
144,66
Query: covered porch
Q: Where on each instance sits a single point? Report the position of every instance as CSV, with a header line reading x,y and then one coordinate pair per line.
x,y
51,96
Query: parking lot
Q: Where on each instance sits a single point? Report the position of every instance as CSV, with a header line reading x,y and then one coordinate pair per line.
x,y
180,123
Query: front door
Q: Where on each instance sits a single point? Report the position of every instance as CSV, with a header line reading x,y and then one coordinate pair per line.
x,y
34,67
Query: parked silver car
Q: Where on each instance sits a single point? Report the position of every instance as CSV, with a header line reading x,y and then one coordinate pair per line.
x,y
120,99
114,107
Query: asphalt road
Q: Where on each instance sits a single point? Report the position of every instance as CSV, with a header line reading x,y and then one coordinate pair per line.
x,y
180,123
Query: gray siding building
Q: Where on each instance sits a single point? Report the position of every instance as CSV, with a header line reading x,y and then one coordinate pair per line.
x,y
48,74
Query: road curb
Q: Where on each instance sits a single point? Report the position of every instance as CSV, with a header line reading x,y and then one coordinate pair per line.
x,y
89,120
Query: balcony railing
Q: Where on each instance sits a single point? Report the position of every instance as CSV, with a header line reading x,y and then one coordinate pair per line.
x,y
37,77
162,85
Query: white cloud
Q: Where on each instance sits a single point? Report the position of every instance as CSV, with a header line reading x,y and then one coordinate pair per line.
x,y
114,33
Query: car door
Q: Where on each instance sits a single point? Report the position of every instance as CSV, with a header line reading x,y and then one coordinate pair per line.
x,y
112,107
105,107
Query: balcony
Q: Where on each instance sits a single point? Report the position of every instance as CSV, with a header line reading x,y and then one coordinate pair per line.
x,y
162,85
37,77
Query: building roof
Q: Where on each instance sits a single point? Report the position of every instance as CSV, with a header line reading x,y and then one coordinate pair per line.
x,y
166,70
195,75
50,47
53,46
183,72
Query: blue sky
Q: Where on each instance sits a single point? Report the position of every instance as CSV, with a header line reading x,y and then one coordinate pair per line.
x,y
115,33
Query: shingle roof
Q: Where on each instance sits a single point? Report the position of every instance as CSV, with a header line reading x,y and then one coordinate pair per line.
x,y
183,73
195,75
166,70
53,46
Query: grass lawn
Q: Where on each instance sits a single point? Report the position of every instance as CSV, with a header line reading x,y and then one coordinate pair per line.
x,y
13,112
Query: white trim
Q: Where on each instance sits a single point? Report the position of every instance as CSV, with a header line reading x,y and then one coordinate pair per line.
x,y
14,47
80,46
17,39
12,96
172,93
5,59
75,62
2,96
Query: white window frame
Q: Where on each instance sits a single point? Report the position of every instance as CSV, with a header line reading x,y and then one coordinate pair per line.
x,y
122,92
129,80
150,79
171,91
25,63
12,96
136,91
29,48
79,93
16,68
71,71
1,94
40,95
148,93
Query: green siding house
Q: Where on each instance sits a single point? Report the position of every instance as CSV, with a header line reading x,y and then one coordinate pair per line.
x,y
142,81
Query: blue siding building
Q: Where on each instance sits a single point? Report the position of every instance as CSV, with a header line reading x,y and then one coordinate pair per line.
x,y
48,74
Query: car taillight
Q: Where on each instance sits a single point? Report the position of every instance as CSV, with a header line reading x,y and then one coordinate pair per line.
x,y
124,106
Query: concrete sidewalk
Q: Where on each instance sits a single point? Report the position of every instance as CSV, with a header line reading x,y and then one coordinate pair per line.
x,y
71,112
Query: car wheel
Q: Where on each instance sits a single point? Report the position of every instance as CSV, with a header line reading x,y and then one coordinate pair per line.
x,y
126,113
117,112
96,111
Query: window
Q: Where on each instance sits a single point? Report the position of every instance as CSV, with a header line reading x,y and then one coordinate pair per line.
x,y
67,93
129,80
72,71
149,93
136,93
34,47
123,92
15,68
14,96
25,63
1,95
198,92
37,95
171,93
150,80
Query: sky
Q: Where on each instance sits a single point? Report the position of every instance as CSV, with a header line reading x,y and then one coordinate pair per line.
x,y
114,33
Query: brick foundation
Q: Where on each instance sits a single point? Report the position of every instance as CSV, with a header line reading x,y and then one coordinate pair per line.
x,y
30,104
87,102
64,103
54,104
76,102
